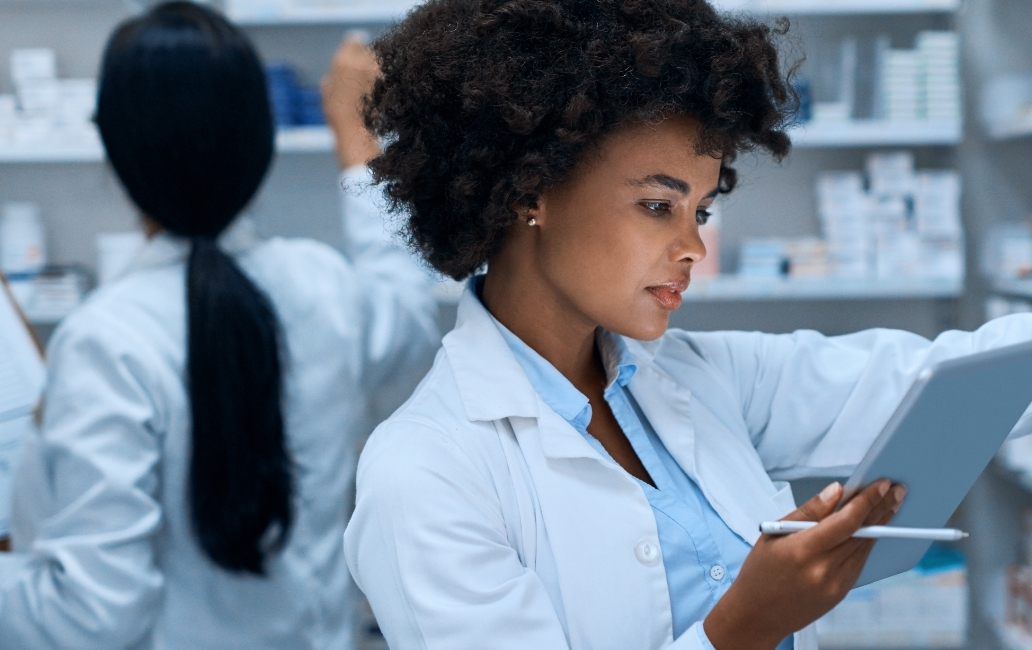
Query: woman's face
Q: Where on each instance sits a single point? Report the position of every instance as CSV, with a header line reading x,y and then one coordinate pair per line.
x,y
618,239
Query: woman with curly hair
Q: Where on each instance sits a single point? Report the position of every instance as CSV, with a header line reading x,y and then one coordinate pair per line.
x,y
571,474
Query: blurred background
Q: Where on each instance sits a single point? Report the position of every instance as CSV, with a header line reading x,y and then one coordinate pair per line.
x,y
906,203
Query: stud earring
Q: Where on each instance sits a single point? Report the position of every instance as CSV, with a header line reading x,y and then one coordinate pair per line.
x,y
532,221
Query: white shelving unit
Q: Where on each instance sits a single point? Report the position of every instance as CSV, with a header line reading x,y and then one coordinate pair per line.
x,y
876,133
1017,128
284,12
839,7
730,287
366,11
1016,288
319,139
303,139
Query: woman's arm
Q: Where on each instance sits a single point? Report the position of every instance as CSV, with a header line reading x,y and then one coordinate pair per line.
x,y
399,311
813,404
87,578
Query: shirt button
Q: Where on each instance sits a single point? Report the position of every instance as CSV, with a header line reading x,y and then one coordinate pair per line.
x,y
647,551
716,572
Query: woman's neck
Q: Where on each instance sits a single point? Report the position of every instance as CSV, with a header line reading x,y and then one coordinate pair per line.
x,y
541,317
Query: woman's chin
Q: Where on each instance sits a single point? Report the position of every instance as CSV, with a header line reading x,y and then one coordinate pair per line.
x,y
646,327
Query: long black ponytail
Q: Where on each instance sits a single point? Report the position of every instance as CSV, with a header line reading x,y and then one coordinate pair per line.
x,y
184,113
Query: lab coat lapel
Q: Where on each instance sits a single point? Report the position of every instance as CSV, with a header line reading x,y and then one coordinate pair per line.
x,y
727,469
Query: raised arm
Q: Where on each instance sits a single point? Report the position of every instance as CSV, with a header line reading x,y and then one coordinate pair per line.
x,y
813,404
399,312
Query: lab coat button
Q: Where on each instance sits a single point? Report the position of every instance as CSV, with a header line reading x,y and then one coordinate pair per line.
x,y
647,551
716,572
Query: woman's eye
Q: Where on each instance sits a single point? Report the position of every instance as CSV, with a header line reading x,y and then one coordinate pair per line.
x,y
656,206
702,216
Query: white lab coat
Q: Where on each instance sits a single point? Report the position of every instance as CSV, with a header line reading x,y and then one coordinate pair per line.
x,y
107,557
484,520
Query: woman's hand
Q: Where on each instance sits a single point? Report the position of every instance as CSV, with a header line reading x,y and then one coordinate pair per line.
x,y
349,79
789,581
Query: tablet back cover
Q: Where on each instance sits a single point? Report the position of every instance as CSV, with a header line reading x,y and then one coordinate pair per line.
x,y
939,441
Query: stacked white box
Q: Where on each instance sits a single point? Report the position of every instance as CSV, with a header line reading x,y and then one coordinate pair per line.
x,y
940,57
923,83
902,85
906,225
841,204
46,110
762,258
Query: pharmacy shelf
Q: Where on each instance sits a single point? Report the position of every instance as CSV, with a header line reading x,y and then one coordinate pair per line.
x,y
734,288
730,288
362,11
840,7
87,151
366,11
1019,127
305,139
876,133
1017,288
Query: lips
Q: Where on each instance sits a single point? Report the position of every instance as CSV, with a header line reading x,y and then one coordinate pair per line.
x,y
668,294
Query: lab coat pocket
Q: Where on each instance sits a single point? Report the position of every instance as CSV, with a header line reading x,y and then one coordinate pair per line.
x,y
783,499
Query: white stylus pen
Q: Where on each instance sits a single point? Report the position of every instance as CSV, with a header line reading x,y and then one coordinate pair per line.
x,y
870,532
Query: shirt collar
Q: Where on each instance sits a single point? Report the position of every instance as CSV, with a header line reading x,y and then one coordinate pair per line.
x,y
555,389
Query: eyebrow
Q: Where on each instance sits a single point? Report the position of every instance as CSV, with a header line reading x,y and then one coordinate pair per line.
x,y
675,184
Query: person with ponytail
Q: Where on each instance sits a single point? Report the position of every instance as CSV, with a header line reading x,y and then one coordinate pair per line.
x,y
189,484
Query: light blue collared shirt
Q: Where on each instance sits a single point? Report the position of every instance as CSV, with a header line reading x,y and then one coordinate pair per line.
x,y
701,554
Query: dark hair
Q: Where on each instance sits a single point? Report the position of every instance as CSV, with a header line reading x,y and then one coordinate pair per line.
x,y
486,103
184,114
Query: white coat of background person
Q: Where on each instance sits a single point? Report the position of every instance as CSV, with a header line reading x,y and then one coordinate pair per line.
x,y
106,539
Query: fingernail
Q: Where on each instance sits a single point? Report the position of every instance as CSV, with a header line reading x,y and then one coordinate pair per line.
x,y
899,492
883,488
831,492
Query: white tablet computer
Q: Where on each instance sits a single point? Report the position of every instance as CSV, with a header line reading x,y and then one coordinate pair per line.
x,y
941,437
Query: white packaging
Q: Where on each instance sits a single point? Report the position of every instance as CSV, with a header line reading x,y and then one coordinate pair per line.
x,y
891,173
115,252
22,247
762,258
8,109
77,100
39,97
937,203
32,131
33,63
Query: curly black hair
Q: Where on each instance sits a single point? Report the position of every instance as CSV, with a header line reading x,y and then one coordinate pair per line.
x,y
486,103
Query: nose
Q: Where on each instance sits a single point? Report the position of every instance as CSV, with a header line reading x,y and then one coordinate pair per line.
x,y
689,246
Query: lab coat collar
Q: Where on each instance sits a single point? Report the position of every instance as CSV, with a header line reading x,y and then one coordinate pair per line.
x,y
494,386
164,248
491,382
